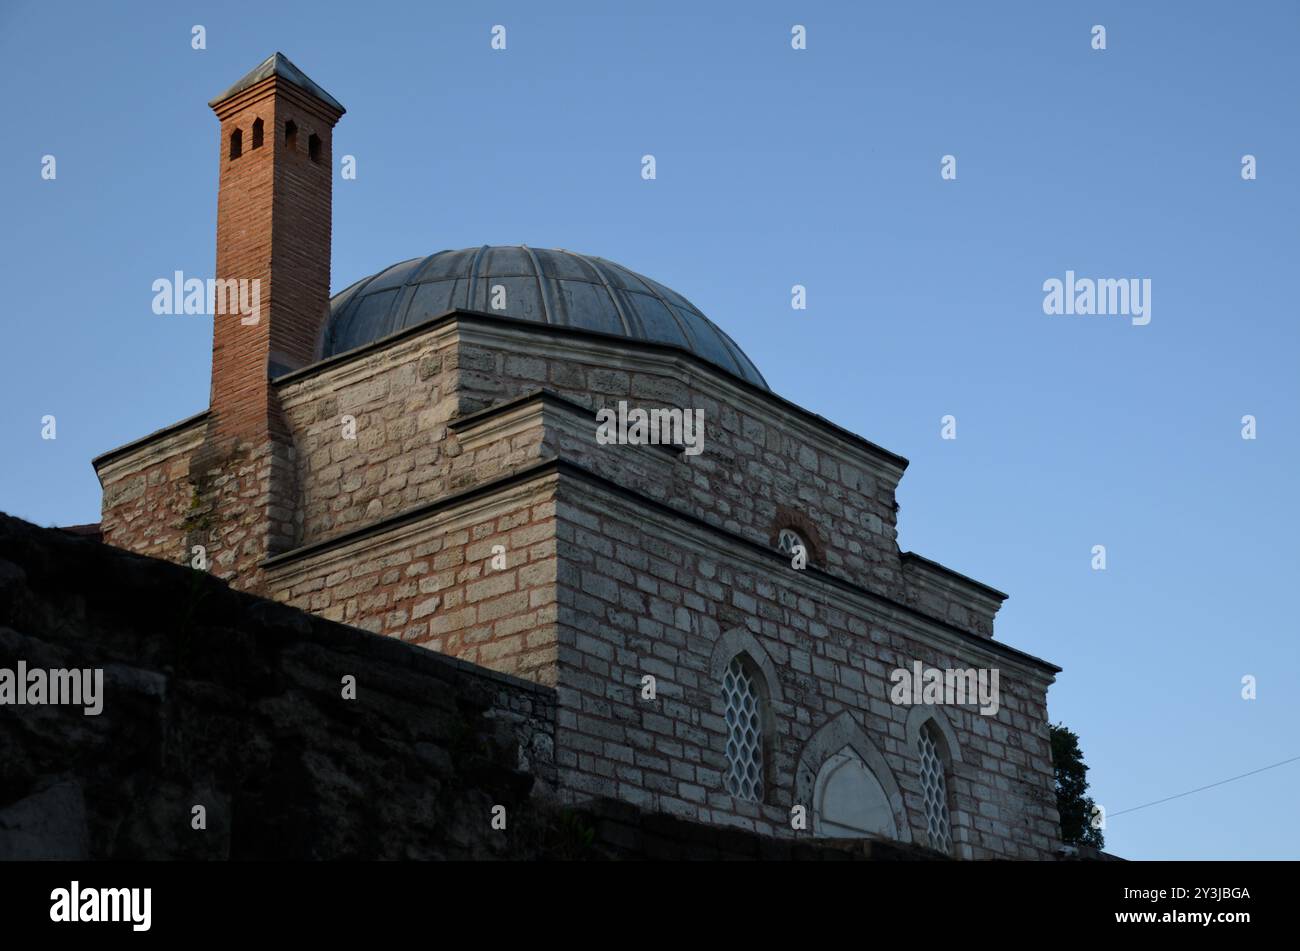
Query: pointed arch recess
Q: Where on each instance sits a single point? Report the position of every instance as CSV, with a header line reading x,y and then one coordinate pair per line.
x,y
840,731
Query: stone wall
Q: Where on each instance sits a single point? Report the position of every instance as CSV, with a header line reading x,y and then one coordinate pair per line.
x,y
643,592
765,463
234,703
473,576
400,399
148,500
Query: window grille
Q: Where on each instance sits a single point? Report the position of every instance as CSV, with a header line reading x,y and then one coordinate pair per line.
x,y
745,734
786,541
934,790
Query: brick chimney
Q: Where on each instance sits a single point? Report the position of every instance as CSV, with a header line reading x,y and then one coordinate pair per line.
x,y
273,258
273,227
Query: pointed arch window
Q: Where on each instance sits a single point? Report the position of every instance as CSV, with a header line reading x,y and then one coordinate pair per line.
x,y
934,786
236,144
744,715
291,135
257,133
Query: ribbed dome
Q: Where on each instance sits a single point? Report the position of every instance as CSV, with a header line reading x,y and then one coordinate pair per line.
x,y
551,287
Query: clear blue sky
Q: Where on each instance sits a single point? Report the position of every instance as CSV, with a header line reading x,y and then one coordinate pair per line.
x,y
778,167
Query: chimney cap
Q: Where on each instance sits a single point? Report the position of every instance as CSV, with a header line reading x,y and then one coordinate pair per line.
x,y
277,64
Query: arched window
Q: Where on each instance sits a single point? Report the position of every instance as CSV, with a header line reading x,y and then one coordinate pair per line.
x,y
257,133
291,134
787,540
934,786
236,144
744,715
313,147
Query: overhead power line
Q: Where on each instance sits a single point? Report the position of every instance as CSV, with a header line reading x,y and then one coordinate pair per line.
x,y
1203,788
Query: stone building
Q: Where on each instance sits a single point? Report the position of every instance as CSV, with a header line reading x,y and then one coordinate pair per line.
x,y
418,456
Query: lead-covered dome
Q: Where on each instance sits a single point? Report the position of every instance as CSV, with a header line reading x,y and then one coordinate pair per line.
x,y
551,287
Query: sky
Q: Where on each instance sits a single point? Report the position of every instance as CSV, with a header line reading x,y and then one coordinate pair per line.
x,y
776,167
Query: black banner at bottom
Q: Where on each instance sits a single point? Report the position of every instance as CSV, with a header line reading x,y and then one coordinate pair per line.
x,y
341,900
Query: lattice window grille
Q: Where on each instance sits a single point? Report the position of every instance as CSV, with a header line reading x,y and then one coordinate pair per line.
x,y
744,734
934,790
786,541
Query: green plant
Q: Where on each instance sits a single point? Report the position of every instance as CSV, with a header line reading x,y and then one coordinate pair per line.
x,y
1072,802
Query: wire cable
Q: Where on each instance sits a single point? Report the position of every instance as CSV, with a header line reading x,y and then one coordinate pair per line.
x,y
1202,788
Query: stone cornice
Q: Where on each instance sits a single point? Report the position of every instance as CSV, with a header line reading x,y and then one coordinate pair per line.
x,y
954,580
105,463
921,574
